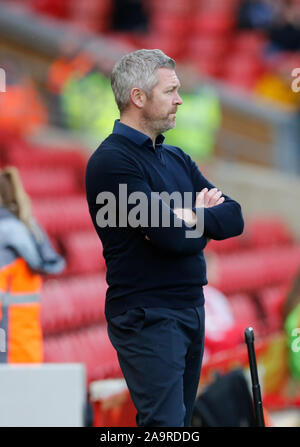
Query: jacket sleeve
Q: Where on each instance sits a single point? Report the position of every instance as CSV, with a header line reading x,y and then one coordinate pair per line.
x,y
222,221
51,260
107,172
37,252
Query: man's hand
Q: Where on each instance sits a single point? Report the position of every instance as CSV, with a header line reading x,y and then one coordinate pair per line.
x,y
208,198
187,215
205,199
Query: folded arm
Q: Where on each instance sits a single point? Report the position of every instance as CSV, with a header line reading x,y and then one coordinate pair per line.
x,y
108,172
223,220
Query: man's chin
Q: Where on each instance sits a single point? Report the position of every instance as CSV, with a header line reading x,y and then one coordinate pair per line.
x,y
169,127
170,124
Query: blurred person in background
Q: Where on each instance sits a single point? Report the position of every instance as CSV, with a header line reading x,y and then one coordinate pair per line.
x,y
278,19
256,14
130,15
86,100
72,63
25,254
22,111
155,273
197,123
284,31
275,84
222,329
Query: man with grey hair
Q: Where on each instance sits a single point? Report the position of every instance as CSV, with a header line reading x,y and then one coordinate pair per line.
x,y
155,272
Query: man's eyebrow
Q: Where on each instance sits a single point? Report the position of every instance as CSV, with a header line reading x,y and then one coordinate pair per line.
x,y
171,86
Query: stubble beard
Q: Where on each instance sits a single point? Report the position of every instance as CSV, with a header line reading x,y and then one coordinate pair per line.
x,y
159,126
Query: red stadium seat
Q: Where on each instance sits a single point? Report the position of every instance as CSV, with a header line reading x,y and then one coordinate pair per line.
x,y
265,232
227,246
242,71
213,22
83,252
45,183
251,271
90,346
92,15
272,300
248,42
61,216
72,303
218,5
173,47
246,313
183,7
207,46
208,66
174,24
25,155
240,82
240,64
259,232
55,8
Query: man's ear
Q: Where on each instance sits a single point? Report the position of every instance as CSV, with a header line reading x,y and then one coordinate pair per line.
x,y
138,97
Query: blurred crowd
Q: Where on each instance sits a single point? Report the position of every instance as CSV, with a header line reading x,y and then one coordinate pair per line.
x,y
279,22
279,19
250,44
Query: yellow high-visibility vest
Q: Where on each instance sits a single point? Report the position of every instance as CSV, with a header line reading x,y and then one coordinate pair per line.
x,y
197,121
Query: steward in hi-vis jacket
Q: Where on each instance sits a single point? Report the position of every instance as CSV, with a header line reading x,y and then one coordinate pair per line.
x,y
22,260
25,254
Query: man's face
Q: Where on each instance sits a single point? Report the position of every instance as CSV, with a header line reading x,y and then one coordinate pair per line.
x,y
159,110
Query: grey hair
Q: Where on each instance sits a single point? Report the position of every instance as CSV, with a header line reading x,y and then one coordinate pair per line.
x,y
137,69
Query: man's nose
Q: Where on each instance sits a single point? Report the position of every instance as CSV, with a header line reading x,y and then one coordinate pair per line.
x,y
178,99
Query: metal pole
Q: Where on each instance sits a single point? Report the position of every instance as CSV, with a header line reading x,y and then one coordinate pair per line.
x,y
259,415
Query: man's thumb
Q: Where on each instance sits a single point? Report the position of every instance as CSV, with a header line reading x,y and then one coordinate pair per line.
x,y
200,197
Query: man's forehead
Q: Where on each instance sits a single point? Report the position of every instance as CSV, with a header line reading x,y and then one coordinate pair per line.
x,y
167,76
